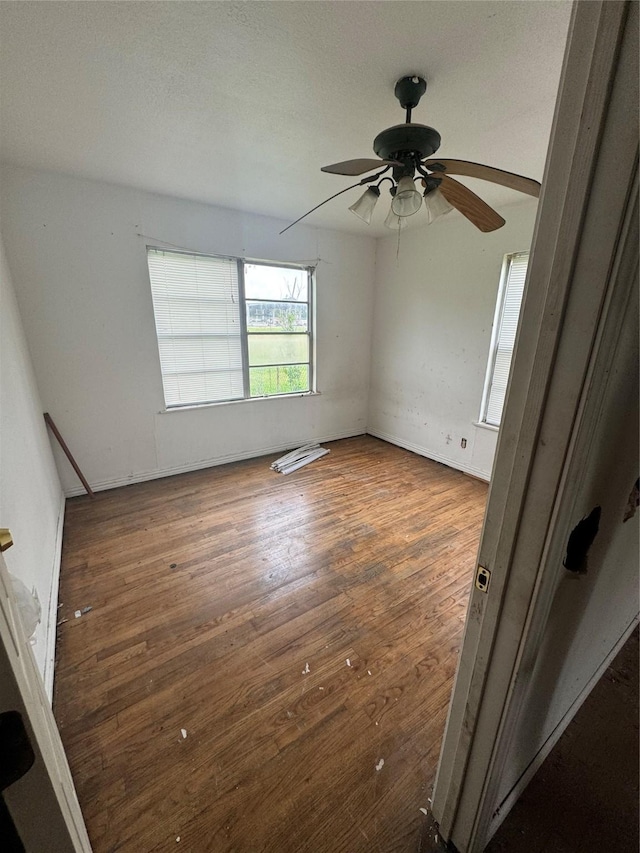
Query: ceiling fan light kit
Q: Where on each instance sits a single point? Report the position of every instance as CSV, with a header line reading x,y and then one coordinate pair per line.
x,y
363,208
406,149
436,205
407,199
392,221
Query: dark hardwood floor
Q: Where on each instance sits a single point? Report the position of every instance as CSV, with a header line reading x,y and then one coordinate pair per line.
x,y
301,630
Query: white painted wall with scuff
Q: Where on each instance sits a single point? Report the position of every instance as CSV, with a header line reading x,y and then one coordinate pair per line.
x,y
31,499
434,307
84,295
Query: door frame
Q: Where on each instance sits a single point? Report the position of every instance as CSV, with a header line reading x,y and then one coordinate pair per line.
x,y
590,173
42,803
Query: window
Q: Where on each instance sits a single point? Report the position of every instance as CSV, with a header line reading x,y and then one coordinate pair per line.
x,y
230,329
505,326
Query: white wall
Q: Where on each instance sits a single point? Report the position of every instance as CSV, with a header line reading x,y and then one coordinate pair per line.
x,y
83,289
31,500
434,307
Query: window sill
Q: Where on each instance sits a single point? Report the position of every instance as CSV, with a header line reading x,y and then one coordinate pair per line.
x,y
239,402
483,425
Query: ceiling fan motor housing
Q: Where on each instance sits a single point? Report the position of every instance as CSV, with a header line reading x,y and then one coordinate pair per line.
x,y
407,142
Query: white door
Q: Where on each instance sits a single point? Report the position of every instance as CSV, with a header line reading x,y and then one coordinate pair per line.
x,y
42,804
583,254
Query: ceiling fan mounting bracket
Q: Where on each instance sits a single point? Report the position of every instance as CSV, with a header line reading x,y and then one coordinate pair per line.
x,y
409,90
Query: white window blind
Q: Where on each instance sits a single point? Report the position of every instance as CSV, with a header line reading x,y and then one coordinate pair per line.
x,y
505,328
230,329
197,309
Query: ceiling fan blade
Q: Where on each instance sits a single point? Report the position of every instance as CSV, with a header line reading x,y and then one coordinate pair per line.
x,y
470,205
485,173
357,167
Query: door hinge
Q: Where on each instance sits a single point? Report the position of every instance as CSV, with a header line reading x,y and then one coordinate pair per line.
x,y
5,538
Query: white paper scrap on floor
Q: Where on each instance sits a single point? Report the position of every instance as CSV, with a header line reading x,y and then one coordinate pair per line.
x,y
297,458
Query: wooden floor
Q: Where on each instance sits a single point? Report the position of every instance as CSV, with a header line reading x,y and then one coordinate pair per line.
x,y
301,630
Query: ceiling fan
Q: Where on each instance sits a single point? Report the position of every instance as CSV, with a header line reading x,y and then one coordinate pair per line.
x,y
407,149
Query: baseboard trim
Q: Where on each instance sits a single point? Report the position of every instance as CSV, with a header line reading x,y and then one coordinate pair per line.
x,y
52,616
141,477
512,797
416,448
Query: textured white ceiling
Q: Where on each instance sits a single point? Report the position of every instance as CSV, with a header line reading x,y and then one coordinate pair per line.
x,y
239,104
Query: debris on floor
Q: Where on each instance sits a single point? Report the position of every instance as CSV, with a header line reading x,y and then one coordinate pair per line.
x,y
297,458
380,764
184,733
306,670
348,661
82,612
424,811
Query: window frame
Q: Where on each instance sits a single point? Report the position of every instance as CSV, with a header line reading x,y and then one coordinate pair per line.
x,y
495,337
310,333
241,262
